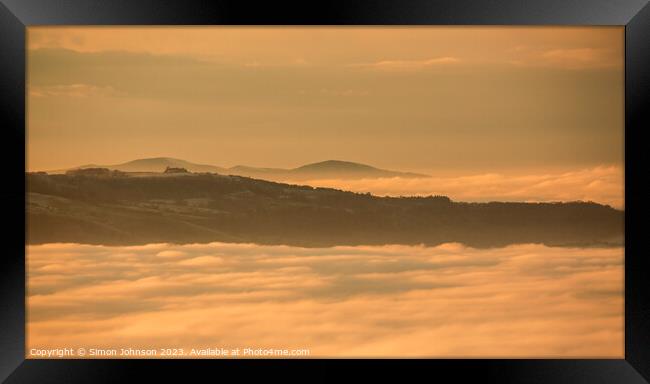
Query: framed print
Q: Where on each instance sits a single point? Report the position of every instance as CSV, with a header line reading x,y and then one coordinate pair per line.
x,y
453,187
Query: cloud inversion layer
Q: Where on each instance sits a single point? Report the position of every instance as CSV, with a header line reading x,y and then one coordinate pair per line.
x,y
523,300
604,185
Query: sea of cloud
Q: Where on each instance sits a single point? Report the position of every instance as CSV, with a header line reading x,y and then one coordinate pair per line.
x,y
604,185
350,301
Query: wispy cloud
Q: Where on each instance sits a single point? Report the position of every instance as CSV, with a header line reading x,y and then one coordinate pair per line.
x,y
581,58
335,92
450,300
408,65
73,90
296,62
568,58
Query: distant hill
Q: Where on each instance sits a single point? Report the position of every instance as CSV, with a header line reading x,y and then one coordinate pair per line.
x,y
117,208
330,169
346,169
157,164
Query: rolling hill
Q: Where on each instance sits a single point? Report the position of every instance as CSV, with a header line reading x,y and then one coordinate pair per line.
x,y
156,164
330,169
120,209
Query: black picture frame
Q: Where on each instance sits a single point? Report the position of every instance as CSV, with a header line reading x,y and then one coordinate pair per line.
x,y
16,15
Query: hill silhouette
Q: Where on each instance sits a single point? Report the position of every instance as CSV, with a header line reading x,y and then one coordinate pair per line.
x,y
329,169
157,164
118,208
346,169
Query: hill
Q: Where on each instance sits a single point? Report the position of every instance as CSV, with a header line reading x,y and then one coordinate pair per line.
x,y
346,170
157,164
330,169
121,209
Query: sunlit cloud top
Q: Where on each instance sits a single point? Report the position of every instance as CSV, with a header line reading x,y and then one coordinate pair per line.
x,y
391,301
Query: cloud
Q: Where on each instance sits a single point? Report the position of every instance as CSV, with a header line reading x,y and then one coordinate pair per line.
x,y
73,90
569,58
171,254
576,58
447,301
297,62
408,65
203,261
603,184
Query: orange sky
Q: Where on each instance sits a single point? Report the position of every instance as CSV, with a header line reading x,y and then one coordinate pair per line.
x,y
413,98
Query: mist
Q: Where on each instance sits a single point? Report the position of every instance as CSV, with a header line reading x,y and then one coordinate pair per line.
x,y
603,184
390,301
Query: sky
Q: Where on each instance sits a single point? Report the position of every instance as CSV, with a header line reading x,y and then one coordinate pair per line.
x,y
454,100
